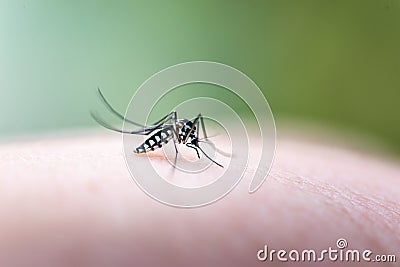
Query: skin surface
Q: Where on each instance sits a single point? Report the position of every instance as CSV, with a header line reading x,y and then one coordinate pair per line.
x,y
70,201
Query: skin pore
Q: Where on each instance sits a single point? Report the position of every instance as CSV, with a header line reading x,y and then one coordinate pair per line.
x,y
70,201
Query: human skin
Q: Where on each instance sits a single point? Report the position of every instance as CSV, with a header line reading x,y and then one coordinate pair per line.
x,y
70,201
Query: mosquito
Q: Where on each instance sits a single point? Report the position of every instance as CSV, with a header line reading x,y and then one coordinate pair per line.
x,y
181,131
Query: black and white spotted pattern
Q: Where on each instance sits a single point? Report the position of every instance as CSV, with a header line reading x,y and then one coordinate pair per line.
x,y
164,135
156,140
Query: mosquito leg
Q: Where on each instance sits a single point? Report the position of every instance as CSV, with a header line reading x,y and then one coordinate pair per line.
x,y
112,110
116,113
195,122
176,155
176,149
175,122
198,147
195,148
198,125
203,126
175,137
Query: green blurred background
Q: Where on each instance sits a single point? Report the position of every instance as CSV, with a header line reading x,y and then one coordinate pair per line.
x,y
330,62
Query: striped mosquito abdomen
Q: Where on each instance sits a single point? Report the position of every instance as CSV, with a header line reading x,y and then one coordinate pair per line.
x,y
156,140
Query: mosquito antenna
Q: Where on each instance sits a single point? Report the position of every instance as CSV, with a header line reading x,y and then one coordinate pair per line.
x,y
209,157
116,113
